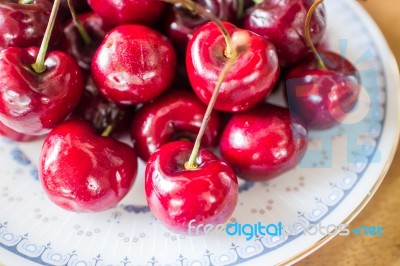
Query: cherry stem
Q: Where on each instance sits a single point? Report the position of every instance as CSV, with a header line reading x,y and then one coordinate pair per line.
x,y
307,33
39,66
239,44
107,131
78,24
114,121
198,9
240,9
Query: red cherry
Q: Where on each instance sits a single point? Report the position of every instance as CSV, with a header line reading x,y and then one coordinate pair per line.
x,y
128,11
282,22
248,82
180,23
23,25
83,172
175,115
74,44
33,103
323,97
101,113
264,142
133,65
176,196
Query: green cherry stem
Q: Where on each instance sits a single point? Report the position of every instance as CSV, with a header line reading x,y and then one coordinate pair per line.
x,y
198,9
39,66
239,43
82,31
307,33
240,9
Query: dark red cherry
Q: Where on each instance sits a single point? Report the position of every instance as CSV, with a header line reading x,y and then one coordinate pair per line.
x,y
78,5
175,115
176,196
180,23
74,44
14,135
323,97
128,11
101,113
23,25
83,172
249,81
282,22
33,103
134,64
264,142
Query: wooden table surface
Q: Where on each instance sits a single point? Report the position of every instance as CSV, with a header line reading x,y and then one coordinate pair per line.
x,y
384,208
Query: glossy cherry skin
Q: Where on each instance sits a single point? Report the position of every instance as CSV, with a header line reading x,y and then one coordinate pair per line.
x,y
176,196
134,64
119,12
74,44
282,22
83,172
14,135
175,115
33,103
249,81
264,142
180,23
23,25
322,98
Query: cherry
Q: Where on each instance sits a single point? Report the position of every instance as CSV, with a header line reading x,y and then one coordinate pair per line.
x,y
37,92
188,185
128,11
323,89
33,103
79,5
134,64
323,97
100,112
83,49
83,172
249,81
14,135
23,25
263,142
282,22
180,23
176,115
207,194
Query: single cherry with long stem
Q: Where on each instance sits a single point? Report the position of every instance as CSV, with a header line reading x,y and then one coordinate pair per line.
x,y
248,82
282,22
37,90
185,184
323,89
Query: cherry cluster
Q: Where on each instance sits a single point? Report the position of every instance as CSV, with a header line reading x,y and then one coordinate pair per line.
x,y
83,74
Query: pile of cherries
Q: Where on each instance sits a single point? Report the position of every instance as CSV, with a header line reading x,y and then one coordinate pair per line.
x,y
182,86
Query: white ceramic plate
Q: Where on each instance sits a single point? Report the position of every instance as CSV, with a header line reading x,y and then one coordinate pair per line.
x,y
340,172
